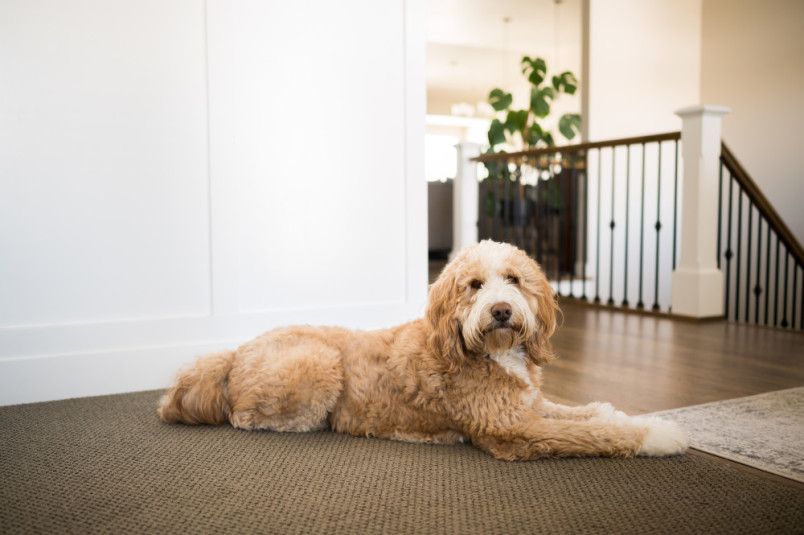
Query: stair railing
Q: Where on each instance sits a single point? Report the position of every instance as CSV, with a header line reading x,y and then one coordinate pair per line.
x,y
762,260
604,221
599,217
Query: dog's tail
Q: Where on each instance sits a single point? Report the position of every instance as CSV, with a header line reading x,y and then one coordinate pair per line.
x,y
199,395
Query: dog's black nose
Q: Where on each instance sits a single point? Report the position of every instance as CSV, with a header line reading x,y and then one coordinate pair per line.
x,y
501,311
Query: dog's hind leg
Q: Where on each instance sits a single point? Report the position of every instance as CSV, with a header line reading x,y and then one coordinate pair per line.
x,y
293,390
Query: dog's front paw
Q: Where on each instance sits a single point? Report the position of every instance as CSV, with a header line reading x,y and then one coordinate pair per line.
x,y
663,438
607,411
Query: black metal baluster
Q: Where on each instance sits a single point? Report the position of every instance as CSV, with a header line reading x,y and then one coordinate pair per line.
x,y
739,252
572,201
675,206
767,277
597,247
561,209
507,203
786,279
801,312
530,196
502,203
627,217
495,183
538,196
585,227
519,227
794,294
659,227
496,197
523,210
583,224
544,241
719,209
640,304
501,206
757,287
728,254
611,225
675,214
555,248
776,286
748,264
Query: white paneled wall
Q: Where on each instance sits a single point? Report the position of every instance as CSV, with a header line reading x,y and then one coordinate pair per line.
x,y
103,162
301,166
176,177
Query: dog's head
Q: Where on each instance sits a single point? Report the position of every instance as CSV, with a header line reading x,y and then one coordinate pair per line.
x,y
490,298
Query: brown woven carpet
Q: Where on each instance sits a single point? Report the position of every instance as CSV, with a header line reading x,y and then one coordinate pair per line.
x,y
107,465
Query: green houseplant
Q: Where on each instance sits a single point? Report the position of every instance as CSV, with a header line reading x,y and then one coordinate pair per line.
x,y
528,126
528,122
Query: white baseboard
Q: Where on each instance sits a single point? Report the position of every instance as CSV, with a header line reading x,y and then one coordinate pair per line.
x,y
34,379
48,363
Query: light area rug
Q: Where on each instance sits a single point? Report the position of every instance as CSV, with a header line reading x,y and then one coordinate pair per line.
x,y
764,431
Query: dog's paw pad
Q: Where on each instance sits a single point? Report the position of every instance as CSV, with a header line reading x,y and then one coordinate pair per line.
x,y
663,438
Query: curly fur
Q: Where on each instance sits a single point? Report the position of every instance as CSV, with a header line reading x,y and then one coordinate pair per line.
x,y
469,370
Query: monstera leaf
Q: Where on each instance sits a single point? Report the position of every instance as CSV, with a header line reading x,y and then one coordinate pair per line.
x,y
496,133
535,69
500,100
540,101
569,125
565,82
516,121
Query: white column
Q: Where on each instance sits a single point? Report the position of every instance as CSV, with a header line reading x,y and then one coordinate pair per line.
x,y
697,282
465,198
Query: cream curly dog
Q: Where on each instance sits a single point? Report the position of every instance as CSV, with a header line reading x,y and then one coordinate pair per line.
x,y
470,370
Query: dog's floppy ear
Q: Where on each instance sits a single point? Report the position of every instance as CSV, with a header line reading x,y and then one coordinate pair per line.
x,y
538,347
444,336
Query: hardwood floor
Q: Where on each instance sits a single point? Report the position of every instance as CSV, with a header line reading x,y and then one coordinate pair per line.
x,y
642,363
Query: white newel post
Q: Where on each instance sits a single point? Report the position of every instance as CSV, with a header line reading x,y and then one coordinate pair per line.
x,y
697,282
465,198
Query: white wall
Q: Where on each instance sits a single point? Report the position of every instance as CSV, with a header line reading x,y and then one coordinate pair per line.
x,y
753,62
179,177
644,64
649,59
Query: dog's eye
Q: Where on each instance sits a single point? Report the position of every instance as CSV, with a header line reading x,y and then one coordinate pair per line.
x,y
512,279
476,284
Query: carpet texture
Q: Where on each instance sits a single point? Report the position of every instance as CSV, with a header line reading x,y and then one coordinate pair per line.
x,y
765,431
107,465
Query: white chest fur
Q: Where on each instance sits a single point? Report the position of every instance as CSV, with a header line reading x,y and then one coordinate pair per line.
x,y
514,362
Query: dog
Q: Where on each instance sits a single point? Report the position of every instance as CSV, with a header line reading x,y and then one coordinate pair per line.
x,y
469,371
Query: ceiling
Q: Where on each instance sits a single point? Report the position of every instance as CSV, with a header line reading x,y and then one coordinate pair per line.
x,y
476,45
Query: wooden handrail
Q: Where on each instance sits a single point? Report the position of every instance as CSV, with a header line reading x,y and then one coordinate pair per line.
x,y
763,205
655,138
737,170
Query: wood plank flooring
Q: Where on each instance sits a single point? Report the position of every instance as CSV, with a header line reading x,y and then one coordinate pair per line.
x,y
642,363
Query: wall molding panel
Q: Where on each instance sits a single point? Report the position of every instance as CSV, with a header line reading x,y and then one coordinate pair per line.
x,y
176,179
